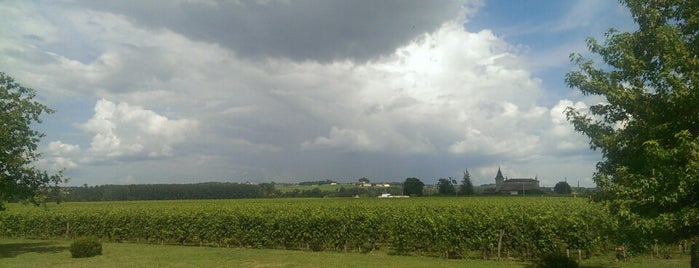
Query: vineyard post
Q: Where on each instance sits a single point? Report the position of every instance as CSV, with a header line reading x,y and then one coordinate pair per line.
x,y
655,249
579,255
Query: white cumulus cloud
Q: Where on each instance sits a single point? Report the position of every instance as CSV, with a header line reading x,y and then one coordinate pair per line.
x,y
447,91
122,130
59,155
438,99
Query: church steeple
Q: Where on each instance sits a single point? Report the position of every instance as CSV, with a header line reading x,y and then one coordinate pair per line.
x,y
499,179
499,175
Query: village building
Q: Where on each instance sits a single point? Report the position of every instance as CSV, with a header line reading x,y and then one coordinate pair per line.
x,y
513,186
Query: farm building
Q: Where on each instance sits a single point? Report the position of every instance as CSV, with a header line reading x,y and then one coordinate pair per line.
x,y
513,185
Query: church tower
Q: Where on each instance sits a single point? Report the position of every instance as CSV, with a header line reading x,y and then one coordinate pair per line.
x,y
499,179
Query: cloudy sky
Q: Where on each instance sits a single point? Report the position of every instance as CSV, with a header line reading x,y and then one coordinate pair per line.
x,y
180,91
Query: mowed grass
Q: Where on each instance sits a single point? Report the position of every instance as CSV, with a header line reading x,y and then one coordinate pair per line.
x,y
55,253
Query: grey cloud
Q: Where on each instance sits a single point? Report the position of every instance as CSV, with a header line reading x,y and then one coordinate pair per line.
x,y
442,102
298,30
29,56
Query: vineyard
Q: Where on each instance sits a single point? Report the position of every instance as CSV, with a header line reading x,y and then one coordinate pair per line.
x,y
448,227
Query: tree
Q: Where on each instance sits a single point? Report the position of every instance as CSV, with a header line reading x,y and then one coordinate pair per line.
x,y
363,180
266,189
445,187
562,187
413,186
19,178
466,185
647,129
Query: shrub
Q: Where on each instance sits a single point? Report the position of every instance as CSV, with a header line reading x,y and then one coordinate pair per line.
x,y
85,247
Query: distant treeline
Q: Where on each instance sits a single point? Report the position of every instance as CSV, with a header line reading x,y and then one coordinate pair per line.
x,y
208,190
229,190
351,191
306,183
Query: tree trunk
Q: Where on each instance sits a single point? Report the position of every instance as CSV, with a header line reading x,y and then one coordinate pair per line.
x,y
694,251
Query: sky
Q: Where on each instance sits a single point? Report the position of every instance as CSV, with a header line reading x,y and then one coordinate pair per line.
x,y
186,91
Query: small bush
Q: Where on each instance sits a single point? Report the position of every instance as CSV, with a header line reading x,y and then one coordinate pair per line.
x,y
85,247
556,261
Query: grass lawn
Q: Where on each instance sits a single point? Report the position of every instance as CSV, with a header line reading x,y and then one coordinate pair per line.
x,y
55,253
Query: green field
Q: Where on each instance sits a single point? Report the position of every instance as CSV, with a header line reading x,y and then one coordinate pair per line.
x,y
517,228
285,188
55,253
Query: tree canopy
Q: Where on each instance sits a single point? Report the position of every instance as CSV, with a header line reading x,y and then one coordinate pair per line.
x,y
647,127
445,187
19,178
466,187
413,186
562,187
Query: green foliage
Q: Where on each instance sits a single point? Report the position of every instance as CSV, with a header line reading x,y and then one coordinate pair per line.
x,y
85,247
648,126
562,187
445,187
466,187
413,186
18,145
207,190
444,227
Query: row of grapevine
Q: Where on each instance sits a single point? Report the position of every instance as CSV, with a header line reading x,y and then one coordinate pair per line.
x,y
524,227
